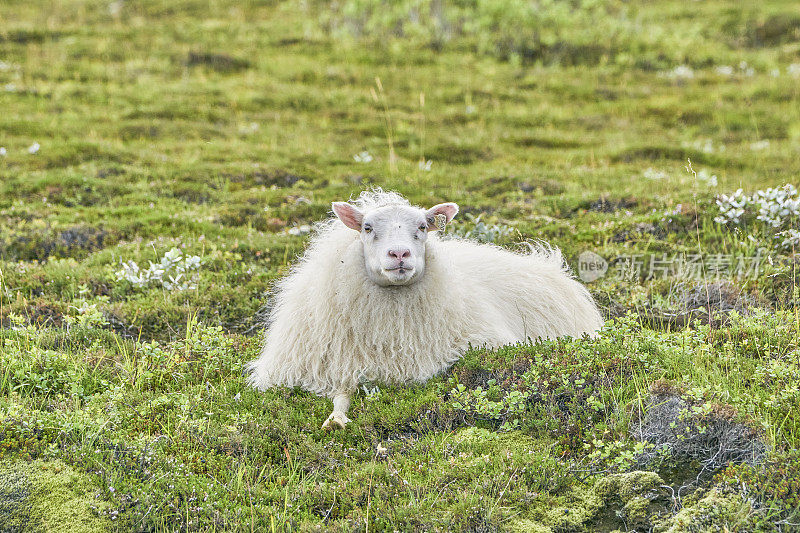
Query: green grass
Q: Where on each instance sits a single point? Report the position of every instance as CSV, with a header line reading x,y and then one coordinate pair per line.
x,y
216,127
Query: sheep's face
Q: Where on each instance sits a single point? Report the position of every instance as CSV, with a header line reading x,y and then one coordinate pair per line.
x,y
394,238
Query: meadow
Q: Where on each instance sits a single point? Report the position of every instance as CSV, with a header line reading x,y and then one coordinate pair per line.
x,y
163,162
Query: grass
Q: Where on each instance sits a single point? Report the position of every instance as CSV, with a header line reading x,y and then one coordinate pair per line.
x,y
217,127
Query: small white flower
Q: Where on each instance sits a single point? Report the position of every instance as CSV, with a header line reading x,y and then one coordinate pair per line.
x,y
748,70
3,151
759,145
299,230
32,149
653,174
724,70
775,73
425,165
681,72
793,70
709,179
248,129
363,157
115,8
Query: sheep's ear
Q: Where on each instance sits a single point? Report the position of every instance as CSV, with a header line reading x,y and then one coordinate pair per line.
x,y
348,214
449,210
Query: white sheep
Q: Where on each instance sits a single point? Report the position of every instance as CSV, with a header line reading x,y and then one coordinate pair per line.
x,y
377,298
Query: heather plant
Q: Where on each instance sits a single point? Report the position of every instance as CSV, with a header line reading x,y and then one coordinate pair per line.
x,y
773,486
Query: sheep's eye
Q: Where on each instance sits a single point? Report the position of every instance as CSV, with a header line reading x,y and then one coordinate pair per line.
x,y
367,228
423,227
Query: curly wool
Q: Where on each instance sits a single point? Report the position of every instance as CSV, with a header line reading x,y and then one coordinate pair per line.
x,y
332,328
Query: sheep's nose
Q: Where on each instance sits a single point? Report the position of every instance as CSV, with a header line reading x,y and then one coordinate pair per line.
x,y
400,254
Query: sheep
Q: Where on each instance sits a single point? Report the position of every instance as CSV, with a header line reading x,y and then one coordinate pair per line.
x,y
379,296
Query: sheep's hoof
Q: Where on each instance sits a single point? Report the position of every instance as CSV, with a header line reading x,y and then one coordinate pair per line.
x,y
335,421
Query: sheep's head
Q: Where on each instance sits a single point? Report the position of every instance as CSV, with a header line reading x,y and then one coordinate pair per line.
x,y
394,238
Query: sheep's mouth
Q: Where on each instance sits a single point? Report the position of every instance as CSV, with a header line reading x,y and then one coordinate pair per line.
x,y
400,269
399,274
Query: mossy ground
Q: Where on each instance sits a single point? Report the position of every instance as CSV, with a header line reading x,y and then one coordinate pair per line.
x,y
48,496
217,127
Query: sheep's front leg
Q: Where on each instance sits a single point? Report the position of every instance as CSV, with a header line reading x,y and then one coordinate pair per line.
x,y
338,418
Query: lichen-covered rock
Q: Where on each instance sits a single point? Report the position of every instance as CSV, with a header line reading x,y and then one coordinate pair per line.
x,y
47,496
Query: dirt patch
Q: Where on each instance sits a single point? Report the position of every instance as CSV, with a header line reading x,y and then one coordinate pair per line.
x,y
134,132
558,52
191,195
76,242
611,205
279,178
547,187
218,62
253,216
109,172
81,238
775,30
641,229
27,36
46,313
550,143
667,153
460,154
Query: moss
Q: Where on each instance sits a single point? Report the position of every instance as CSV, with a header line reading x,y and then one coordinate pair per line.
x,y
570,518
636,512
47,496
626,486
709,513
616,501
528,526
